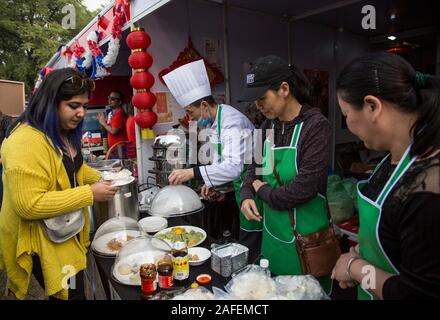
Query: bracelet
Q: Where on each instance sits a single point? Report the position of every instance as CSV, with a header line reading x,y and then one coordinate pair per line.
x,y
349,266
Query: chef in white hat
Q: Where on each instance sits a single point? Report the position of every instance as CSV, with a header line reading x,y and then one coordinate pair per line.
x,y
190,86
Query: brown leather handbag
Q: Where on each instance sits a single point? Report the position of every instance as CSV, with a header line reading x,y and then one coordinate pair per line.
x,y
317,251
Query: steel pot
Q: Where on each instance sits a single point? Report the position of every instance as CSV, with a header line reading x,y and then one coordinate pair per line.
x,y
124,203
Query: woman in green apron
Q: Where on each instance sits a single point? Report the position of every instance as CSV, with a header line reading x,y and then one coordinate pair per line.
x,y
299,151
393,108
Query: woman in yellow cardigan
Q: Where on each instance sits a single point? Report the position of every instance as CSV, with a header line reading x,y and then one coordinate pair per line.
x,y
44,177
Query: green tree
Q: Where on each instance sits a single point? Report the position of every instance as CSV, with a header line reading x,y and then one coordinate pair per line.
x,y
31,32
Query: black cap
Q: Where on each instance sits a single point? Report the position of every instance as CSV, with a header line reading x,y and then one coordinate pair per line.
x,y
264,73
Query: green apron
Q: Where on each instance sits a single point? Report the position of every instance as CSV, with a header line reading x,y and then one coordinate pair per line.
x,y
370,212
245,224
278,240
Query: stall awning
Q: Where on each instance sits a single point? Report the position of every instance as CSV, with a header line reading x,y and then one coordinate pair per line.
x,y
138,9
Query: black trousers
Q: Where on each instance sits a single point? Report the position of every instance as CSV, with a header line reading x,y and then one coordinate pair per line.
x,y
77,293
252,240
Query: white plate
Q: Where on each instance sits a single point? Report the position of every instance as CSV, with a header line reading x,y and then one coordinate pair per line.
x,y
203,254
153,224
116,175
100,245
160,245
134,261
122,182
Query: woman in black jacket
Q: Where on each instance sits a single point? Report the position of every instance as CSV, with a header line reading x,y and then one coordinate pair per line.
x,y
300,147
391,107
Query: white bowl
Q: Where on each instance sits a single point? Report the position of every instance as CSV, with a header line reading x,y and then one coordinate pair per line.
x,y
153,224
202,253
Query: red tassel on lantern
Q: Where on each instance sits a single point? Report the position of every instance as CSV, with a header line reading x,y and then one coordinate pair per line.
x,y
144,100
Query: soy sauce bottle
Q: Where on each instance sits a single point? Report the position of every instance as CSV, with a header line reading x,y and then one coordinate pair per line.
x,y
165,273
180,264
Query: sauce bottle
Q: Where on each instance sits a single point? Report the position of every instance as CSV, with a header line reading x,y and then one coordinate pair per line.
x,y
180,264
165,272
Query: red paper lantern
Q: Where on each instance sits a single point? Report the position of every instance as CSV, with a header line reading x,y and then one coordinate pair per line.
x,y
138,40
146,120
144,100
142,80
140,60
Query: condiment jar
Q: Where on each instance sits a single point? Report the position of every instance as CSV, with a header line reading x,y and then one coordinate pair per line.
x,y
148,275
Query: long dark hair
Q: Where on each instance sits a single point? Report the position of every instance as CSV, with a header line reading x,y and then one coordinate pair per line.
x,y
391,78
299,85
42,111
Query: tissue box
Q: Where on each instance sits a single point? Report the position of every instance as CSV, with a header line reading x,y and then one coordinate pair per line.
x,y
228,258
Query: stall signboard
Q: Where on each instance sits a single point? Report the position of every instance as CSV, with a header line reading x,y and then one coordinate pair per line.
x,y
163,107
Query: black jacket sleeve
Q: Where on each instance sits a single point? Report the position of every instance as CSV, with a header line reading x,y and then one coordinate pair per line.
x,y
313,161
419,223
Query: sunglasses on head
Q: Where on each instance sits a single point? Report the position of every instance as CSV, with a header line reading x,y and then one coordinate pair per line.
x,y
79,82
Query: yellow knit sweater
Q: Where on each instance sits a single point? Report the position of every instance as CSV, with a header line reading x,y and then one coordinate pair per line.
x,y
36,186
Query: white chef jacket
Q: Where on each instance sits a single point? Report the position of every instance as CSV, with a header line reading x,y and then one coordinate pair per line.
x,y
236,139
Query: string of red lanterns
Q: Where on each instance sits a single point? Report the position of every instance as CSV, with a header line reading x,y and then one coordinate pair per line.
x,y
142,81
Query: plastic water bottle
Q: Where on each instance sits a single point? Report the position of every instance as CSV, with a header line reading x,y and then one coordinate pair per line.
x,y
264,263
